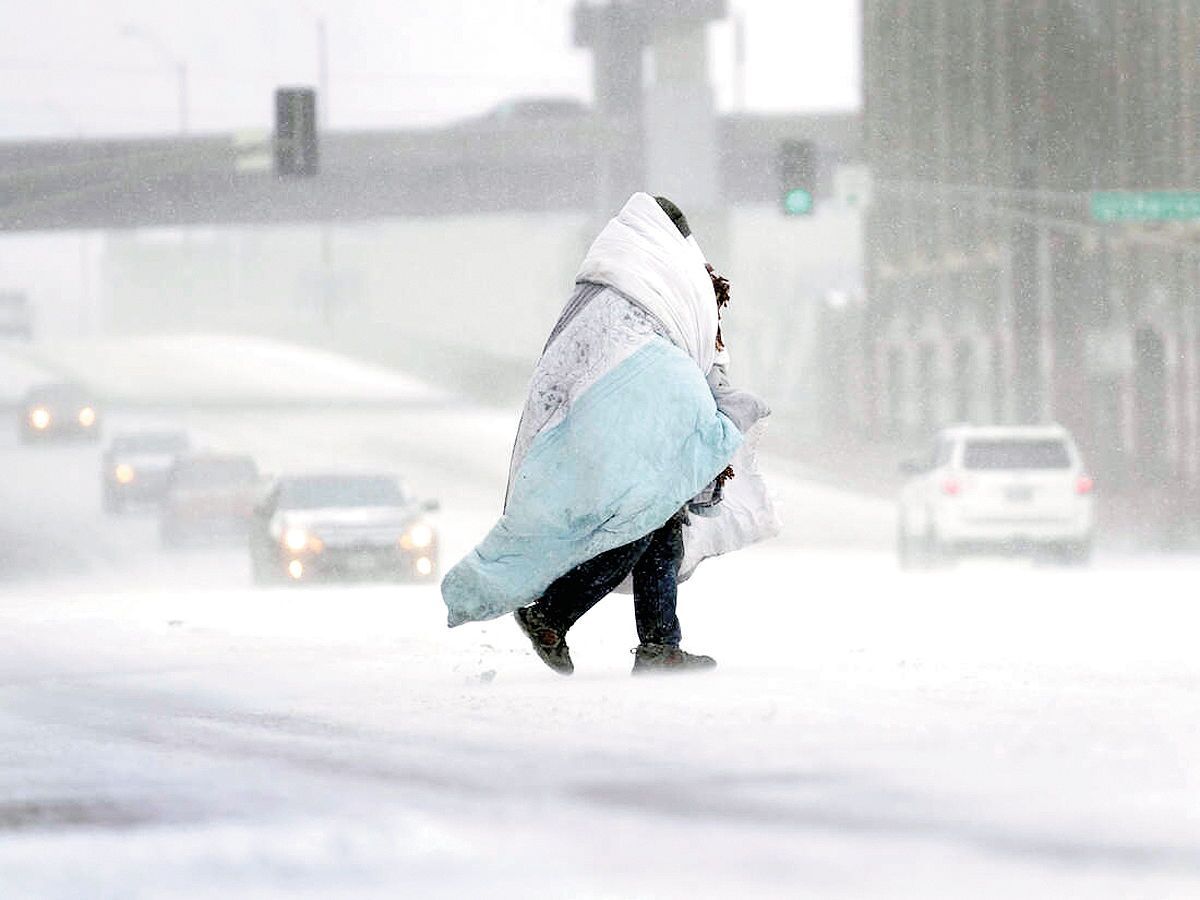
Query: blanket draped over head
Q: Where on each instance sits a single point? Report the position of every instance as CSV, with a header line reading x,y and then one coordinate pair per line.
x,y
620,429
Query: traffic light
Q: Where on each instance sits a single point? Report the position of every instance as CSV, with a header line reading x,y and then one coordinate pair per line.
x,y
296,132
797,176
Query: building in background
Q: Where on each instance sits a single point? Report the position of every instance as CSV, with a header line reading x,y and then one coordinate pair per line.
x,y
998,288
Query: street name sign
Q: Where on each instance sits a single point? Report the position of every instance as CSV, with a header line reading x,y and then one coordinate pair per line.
x,y
1145,206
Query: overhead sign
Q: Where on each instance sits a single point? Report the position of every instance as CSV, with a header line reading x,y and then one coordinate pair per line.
x,y
252,150
1145,206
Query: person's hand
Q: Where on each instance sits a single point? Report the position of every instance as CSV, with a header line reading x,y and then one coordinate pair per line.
x,y
721,289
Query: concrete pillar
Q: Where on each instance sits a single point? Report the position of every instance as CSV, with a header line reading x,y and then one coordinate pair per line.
x,y
1191,393
613,35
661,138
680,124
679,127
1046,336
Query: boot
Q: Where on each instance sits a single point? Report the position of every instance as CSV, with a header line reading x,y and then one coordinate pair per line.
x,y
548,643
651,658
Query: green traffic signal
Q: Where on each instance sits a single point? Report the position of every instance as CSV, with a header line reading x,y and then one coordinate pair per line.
x,y
798,202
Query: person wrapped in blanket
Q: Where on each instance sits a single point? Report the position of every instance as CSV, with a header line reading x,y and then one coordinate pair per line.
x,y
635,458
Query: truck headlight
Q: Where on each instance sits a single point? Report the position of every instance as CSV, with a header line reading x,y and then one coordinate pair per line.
x,y
87,417
39,418
124,473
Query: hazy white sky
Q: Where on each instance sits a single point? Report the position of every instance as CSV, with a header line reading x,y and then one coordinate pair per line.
x,y
66,67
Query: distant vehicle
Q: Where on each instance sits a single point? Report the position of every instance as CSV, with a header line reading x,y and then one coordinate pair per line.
x,y
997,490
16,315
137,465
342,527
208,496
58,411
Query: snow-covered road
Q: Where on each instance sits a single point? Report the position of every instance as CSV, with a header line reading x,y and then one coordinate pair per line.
x,y
166,731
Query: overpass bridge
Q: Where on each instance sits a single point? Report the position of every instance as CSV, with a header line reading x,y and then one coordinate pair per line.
x,y
662,133
489,164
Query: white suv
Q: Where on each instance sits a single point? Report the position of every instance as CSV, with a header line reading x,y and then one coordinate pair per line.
x,y
997,489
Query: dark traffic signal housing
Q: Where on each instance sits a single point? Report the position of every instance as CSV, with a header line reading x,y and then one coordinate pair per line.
x,y
797,166
296,132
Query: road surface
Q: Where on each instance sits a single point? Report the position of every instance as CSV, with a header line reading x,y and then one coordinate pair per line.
x,y
995,730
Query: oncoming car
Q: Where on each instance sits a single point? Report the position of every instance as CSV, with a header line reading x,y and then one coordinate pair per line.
x,y
342,526
137,467
54,411
997,490
209,496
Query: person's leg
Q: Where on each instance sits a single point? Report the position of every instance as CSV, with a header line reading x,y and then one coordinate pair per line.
x,y
655,590
573,594
547,621
656,586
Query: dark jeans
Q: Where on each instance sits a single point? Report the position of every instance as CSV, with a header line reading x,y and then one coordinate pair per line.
x,y
654,561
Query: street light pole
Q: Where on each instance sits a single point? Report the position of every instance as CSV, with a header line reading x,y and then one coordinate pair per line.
x,y
739,63
328,298
181,73
322,75
322,64
180,66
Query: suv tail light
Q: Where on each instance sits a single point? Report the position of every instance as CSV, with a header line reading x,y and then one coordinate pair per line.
x,y
951,487
1084,484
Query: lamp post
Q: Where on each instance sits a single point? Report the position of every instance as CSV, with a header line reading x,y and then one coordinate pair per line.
x,y
170,59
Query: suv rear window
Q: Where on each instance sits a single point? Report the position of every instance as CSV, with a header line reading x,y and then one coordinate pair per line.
x,y
1016,454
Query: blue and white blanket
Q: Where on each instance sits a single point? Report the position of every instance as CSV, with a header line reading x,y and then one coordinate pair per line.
x,y
620,429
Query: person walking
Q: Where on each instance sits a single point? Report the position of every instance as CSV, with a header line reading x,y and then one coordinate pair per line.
x,y
624,450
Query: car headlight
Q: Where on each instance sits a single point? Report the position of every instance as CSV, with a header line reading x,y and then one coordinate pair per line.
x,y
39,418
124,473
295,539
87,417
298,539
418,536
